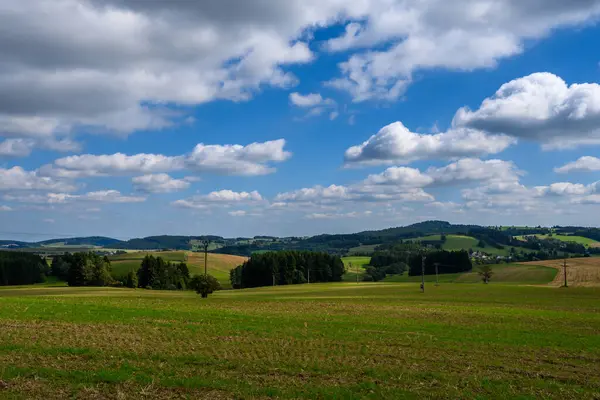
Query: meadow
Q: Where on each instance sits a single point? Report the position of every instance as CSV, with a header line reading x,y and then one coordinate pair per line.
x,y
318,341
567,238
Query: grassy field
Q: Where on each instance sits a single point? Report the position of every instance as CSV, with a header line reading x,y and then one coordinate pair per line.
x,y
367,248
319,341
351,263
567,238
219,265
503,273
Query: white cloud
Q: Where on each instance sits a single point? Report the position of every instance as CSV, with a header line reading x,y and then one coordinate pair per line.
x,y
568,189
16,147
223,198
5,208
401,177
394,143
238,213
101,196
460,35
49,220
333,115
584,164
56,80
352,214
16,178
472,169
540,107
159,183
249,160
309,100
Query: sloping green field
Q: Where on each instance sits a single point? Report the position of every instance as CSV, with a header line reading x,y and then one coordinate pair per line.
x,y
318,341
566,238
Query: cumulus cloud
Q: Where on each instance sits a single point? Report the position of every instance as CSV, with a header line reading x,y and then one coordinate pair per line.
x,y
16,178
5,208
136,56
584,164
472,169
159,183
224,198
250,160
315,105
461,35
540,107
16,147
238,213
394,143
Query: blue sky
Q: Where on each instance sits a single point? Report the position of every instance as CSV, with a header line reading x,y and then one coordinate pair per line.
x,y
128,119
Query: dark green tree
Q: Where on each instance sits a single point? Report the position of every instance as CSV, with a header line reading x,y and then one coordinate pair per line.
x,y
204,284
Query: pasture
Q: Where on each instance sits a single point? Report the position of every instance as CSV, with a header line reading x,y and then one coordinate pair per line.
x,y
318,341
352,264
566,238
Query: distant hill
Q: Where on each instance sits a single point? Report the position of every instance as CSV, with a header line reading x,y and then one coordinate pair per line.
x,y
101,241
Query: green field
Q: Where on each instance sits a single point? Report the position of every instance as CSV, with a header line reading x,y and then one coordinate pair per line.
x,y
566,238
459,242
351,263
318,341
367,248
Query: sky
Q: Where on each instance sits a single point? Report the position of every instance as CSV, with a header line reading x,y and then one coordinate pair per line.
x,y
129,118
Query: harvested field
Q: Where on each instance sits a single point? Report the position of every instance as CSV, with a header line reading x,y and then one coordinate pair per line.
x,y
580,271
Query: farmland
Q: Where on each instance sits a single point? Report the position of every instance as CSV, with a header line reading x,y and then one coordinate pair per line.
x,y
219,264
580,271
352,263
307,341
461,242
567,238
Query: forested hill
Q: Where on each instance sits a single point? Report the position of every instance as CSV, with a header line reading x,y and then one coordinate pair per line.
x,y
92,241
340,244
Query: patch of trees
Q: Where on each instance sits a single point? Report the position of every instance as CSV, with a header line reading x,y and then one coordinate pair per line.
x,y
83,269
376,274
156,273
286,268
20,268
590,233
448,262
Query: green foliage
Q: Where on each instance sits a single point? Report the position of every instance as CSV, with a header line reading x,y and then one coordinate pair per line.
x,y
159,274
19,268
83,269
204,284
286,268
448,262
131,280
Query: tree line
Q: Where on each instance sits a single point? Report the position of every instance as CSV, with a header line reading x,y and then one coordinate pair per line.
x,y
287,268
448,262
20,268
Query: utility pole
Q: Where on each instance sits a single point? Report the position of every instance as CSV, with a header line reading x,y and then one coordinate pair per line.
x,y
273,279
308,269
205,243
436,274
565,270
356,273
423,274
